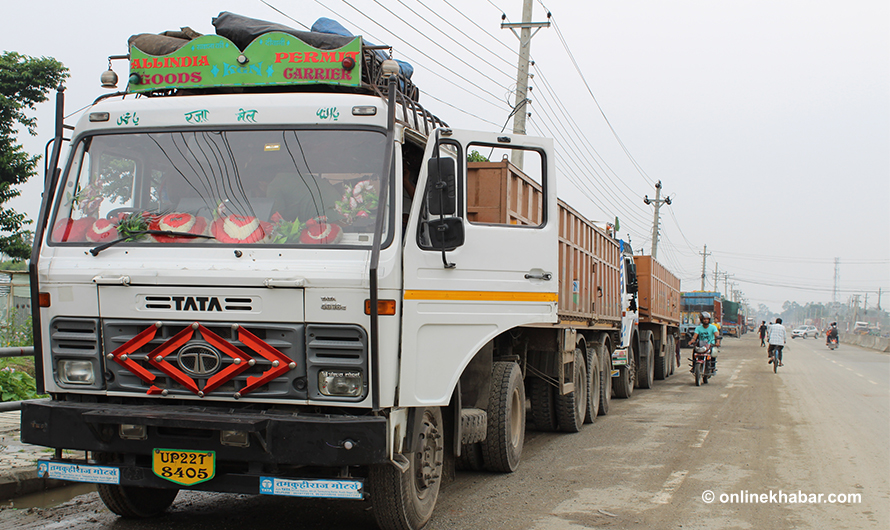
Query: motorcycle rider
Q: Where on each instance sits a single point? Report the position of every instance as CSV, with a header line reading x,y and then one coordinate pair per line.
x,y
707,332
831,334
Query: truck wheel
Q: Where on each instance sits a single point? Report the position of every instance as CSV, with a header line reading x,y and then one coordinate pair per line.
x,y
605,377
136,502
662,369
646,372
405,501
624,383
594,380
543,415
571,408
502,447
470,458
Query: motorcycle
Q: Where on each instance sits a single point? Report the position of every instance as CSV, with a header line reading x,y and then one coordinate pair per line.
x,y
832,343
702,363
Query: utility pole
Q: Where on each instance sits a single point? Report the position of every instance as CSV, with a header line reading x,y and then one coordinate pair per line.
x,y
525,41
716,274
837,275
704,259
658,202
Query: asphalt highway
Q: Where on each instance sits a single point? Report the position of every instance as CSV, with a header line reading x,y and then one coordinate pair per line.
x,y
741,452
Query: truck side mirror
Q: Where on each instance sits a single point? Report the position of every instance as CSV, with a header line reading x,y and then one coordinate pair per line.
x,y
633,287
447,234
440,187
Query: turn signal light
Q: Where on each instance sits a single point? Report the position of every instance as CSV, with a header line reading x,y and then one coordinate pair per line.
x,y
43,299
384,307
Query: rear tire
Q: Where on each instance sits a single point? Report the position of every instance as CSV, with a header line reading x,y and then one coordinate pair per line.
x,y
605,376
543,415
405,501
662,362
134,502
470,458
571,408
594,380
502,448
646,372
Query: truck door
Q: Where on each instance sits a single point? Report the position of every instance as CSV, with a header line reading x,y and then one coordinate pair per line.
x,y
481,254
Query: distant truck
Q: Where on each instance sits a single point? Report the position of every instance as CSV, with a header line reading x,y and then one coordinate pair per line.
x,y
732,319
692,304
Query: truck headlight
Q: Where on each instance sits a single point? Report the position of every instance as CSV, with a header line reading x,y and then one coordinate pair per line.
x,y
76,372
340,383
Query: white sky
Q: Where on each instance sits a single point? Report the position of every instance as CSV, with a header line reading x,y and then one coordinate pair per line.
x,y
768,122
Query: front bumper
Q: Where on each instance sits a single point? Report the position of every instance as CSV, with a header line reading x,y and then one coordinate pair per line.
x,y
276,439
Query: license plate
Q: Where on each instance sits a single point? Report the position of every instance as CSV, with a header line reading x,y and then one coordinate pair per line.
x,y
184,467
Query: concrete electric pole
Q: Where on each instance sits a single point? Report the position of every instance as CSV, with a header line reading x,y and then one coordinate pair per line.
x,y
658,201
704,261
525,41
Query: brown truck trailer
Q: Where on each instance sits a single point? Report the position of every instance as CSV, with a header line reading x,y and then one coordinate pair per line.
x,y
592,304
659,310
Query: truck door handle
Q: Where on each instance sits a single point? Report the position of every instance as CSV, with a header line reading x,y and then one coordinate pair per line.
x,y
111,280
546,276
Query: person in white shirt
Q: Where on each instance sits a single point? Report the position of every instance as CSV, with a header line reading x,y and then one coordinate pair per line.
x,y
776,341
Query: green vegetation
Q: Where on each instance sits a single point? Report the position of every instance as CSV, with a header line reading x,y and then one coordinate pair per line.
x,y
17,373
475,156
14,265
24,82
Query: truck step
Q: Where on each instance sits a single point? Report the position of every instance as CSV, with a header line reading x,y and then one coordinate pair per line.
x,y
473,425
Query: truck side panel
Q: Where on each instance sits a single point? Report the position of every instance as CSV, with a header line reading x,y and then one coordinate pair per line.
x,y
659,292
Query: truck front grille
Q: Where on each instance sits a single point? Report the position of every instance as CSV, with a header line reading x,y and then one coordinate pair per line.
x,y
201,361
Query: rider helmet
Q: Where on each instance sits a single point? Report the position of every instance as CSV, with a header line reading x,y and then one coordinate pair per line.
x,y
704,315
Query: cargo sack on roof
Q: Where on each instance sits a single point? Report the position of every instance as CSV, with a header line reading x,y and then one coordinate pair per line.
x,y
163,43
243,30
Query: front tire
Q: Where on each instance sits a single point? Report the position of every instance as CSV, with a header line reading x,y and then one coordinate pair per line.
x,y
696,371
405,501
571,408
624,383
502,448
646,373
134,502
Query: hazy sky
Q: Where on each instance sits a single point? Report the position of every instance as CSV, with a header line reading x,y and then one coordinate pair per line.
x,y
768,122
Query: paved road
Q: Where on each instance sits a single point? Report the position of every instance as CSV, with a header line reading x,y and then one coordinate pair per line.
x,y
821,425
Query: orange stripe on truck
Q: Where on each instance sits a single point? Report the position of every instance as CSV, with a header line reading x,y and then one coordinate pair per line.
x,y
481,296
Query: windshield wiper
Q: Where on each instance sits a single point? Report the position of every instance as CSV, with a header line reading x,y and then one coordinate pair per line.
x,y
96,250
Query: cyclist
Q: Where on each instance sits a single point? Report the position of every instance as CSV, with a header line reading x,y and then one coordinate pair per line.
x,y
831,333
776,342
707,332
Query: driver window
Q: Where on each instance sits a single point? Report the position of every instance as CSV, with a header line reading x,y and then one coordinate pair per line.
x,y
504,186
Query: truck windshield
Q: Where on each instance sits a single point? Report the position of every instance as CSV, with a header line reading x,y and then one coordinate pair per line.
x,y
293,187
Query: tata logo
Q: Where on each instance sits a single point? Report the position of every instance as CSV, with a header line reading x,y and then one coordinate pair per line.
x,y
197,303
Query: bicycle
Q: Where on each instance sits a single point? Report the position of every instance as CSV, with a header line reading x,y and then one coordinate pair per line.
x,y
775,349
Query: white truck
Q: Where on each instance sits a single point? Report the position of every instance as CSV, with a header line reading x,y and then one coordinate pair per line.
x,y
266,269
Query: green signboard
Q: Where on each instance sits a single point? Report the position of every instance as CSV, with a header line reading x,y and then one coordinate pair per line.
x,y
271,59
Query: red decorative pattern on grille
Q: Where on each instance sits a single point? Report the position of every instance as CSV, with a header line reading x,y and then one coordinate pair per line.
x,y
281,363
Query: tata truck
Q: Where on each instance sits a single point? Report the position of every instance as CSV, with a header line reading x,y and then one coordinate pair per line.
x,y
265,268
